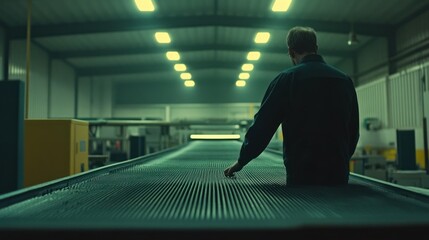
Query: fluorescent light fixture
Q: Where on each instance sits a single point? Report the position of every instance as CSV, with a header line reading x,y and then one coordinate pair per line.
x,y
145,5
253,56
162,37
244,76
180,67
262,37
240,83
247,67
281,5
173,56
214,136
189,83
185,76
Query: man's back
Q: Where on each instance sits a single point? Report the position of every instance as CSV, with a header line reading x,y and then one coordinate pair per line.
x,y
317,107
320,125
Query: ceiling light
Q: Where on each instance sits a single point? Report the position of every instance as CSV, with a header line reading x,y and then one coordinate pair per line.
x,y
262,37
247,67
185,76
180,67
162,37
214,136
352,37
281,5
145,5
173,56
252,56
244,76
189,83
240,83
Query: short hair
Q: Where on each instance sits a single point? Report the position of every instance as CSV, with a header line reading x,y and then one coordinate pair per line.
x,y
302,39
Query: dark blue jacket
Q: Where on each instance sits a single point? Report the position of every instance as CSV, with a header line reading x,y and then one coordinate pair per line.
x,y
317,107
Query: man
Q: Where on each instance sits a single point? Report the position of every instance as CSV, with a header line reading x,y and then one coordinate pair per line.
x,y
317,107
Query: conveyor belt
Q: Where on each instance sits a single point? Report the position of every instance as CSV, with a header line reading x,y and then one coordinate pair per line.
x,y
182,193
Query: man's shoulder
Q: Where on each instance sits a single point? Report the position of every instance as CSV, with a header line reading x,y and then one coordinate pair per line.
x,y
288,71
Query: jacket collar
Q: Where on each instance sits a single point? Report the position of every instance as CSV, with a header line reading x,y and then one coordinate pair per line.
x,y
312,58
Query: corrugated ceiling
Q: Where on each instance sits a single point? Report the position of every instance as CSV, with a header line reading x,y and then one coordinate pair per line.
x,y
101,38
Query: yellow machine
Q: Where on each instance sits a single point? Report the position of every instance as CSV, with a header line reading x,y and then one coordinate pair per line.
x,y
54,149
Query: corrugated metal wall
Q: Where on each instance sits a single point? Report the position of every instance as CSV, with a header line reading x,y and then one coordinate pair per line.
x,y
405,99
39,84
38,88
372,100
396,100
51,88
62,100
101,98
17,67
412,39
84,98
370,56
413,32
177,112
140,111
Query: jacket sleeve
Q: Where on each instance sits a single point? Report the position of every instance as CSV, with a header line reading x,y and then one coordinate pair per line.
x,y
265,122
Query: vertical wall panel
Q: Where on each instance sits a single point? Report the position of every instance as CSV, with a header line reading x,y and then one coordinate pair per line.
x,y
193,112
376,50
372,101
413,35
140,111
417,28
425,74
101,98
17,66
38,89
62,90
405,99
84,98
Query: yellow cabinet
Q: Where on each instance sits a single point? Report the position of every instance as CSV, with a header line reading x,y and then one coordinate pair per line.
x,y
54,148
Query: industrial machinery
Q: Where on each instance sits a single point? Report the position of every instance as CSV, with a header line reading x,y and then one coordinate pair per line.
x,y
182,193
54,148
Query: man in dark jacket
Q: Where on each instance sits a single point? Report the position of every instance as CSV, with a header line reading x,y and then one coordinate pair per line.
x,y
317,107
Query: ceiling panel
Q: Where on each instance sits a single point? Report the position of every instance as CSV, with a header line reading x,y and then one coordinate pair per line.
x,y
111,38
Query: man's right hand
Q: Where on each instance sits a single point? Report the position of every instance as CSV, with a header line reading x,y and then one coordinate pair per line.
x,y
231,170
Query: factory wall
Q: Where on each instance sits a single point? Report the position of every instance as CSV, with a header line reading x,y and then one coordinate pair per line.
x,y
184,112
94,98
203,92
62,90
412,42
398,101
347,66
372,61
39,71
101,98
84,103
204,101
51,82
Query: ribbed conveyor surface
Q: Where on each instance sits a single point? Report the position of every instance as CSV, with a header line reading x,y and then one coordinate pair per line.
x,y
184,191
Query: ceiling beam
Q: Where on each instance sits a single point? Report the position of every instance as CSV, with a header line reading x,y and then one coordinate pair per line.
x,y
151,68
376,30
184,48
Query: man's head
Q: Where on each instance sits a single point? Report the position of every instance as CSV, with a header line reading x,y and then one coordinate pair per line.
x,y
301,41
